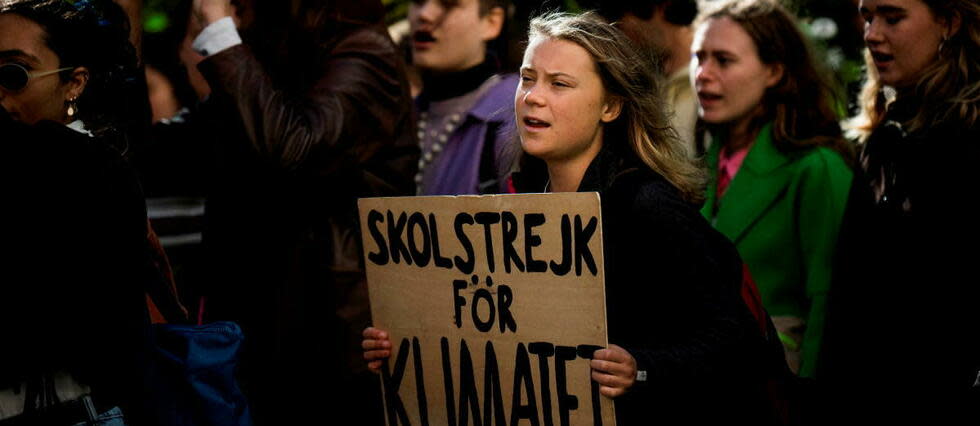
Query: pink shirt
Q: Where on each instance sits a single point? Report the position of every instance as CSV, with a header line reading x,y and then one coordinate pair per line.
x,y
728,165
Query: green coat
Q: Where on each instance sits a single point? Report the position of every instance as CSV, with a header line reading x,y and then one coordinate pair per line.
x,y
783,212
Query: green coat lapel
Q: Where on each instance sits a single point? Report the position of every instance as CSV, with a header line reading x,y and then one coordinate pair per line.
x,y
759,182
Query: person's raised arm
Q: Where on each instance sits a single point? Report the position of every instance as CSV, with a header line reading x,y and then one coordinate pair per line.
x,y
357,87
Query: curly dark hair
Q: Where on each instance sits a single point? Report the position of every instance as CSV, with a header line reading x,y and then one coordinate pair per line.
x,y
93,34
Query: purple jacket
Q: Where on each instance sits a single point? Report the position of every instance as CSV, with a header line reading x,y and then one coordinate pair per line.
x,y
456,170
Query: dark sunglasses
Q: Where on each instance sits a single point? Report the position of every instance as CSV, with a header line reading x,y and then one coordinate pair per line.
x,y
14,77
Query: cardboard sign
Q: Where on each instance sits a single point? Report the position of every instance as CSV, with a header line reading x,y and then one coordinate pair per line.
x,y
494,305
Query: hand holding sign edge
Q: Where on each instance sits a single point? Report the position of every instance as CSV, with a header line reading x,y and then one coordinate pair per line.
x,y
614,369
376,346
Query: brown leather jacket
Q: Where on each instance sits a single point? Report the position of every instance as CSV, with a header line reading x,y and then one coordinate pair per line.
x,y
298,142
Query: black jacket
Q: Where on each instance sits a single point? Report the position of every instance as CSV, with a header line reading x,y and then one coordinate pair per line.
x,y
76,264
290,146
903,318
673,302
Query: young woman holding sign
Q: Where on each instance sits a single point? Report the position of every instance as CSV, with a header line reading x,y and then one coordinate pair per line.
x,y
684,340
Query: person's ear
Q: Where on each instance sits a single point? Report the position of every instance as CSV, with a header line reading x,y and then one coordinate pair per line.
x,y
493,23
76,83
611,109
774,73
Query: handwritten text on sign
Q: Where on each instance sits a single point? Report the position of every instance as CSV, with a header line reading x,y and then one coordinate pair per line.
x,y
494,305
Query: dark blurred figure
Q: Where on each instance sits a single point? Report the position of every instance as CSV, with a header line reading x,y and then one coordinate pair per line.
x,y
662,29
465,109
308,110
903,322
75,321
73,308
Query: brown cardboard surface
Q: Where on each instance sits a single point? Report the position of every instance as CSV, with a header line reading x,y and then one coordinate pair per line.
x,y
415,298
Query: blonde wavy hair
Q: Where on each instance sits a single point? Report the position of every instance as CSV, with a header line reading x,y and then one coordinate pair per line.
x,y
643,125
948,89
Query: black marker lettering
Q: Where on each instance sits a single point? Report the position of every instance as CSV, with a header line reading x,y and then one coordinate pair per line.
x,y
464,266
566,402
531,240
509,230
483,294
442,262
588,352
468,399
458,301
421,257
391,383
395,230
560,269
420,383
447,379
493,402
381,257
582,252
486,219
522,374
544,351
505,296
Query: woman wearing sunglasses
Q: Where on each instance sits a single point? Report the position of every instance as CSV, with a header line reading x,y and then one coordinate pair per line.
x,y
14,77
28,95
74,320
67,62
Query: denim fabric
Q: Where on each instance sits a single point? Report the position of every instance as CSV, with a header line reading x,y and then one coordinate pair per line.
x,y
113,417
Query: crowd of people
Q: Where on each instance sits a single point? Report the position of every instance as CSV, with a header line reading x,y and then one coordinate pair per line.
x,y
712,131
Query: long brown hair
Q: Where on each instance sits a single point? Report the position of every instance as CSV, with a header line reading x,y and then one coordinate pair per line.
x,y
948,89
642,128
801,105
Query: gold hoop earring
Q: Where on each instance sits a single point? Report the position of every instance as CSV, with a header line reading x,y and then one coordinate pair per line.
x,y
72,109
942,43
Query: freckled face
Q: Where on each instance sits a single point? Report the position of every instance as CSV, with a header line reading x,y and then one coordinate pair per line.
x,y
22,43
561,103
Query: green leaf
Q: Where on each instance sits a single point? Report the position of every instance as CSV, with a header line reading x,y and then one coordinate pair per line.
x,y
156,22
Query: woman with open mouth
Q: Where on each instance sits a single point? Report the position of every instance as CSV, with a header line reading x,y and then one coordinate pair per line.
x,y
906,292
778,162
681,337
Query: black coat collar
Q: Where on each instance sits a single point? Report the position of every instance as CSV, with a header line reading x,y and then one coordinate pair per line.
x,y
605,168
